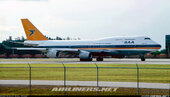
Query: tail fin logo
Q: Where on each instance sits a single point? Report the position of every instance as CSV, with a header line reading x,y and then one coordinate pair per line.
x,y
32,32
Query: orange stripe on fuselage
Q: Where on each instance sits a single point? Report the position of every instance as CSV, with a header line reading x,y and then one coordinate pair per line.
x,y
122,48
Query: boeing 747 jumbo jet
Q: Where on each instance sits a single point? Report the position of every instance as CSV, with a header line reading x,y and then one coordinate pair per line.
x,y
88,49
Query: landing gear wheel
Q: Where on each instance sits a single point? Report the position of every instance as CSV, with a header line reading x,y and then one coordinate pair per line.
x,y
99,59
142,58
86,59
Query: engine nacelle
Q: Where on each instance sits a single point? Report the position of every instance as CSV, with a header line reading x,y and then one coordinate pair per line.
x,y
85,55
52,54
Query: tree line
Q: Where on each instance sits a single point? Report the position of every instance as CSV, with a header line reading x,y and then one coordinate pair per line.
x,y
22,39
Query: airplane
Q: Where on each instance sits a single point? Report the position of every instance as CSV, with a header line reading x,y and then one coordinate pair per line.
x,y
118,47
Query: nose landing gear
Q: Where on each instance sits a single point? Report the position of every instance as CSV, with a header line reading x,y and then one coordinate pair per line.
x,y
99,59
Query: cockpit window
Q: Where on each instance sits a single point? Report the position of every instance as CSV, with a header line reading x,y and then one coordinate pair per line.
x,y
147,39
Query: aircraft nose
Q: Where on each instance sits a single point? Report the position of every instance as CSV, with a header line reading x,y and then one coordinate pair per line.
x,y
158,45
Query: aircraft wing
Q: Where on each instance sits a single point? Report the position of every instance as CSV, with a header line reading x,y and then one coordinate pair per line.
x,y
64,49
48,49
61,50
26,44
39,49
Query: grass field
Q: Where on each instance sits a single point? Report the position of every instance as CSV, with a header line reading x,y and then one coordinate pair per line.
x,y
76,72
83,72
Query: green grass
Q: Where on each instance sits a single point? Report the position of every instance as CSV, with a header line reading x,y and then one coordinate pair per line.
x,y
116,72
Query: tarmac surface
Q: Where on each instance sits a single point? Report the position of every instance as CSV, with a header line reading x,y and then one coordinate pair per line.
x,y
76,61
87,83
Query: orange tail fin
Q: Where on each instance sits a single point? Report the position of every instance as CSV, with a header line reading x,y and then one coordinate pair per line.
x,y
31,31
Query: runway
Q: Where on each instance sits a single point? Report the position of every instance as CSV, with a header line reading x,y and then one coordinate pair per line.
x,y
76,61
87,83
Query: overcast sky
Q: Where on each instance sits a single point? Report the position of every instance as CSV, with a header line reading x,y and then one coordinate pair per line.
x,y
87,19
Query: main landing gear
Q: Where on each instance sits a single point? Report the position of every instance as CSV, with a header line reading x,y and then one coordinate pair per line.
x,y
97,59
90,59
142,58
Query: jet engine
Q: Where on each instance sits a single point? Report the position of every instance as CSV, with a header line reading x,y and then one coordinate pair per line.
x,y
85,56
52,54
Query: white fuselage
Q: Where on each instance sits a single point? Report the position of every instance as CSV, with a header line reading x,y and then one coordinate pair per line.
x,y
123,45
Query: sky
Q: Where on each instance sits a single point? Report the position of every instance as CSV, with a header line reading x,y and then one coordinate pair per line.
x,y
87,19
